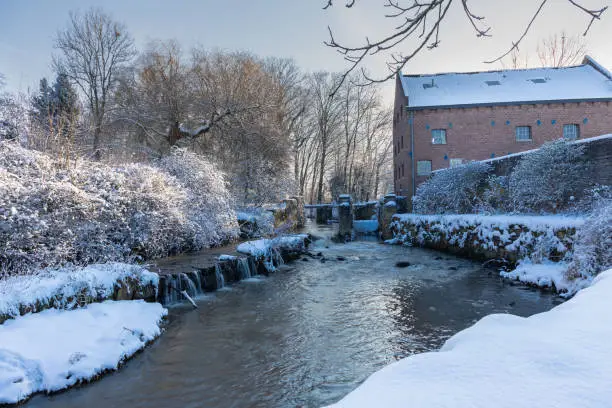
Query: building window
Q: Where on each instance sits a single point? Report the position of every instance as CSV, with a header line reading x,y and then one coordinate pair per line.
x,y
402,170
438,136
423,167
455,162
523,133
571,132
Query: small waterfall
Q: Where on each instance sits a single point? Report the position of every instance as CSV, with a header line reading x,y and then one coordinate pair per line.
x,y
252,266
188,285
276,257
195,277
219,276
173,288
273,259
243,268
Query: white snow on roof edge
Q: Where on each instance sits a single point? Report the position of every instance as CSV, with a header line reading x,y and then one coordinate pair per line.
x,y
588,81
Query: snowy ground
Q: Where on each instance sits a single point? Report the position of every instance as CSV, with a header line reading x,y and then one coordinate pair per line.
x,y
547,275
561,358
55,349
61,287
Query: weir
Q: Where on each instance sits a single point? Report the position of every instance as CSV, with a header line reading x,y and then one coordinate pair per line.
x,y
213,269
361,218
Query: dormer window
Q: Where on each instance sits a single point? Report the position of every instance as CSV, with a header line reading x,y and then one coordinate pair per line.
x,y
492,83
538,80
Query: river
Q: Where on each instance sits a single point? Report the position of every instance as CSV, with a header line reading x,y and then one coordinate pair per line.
x,y
308,334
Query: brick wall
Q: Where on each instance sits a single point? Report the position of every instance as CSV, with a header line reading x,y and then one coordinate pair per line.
x,y
479,133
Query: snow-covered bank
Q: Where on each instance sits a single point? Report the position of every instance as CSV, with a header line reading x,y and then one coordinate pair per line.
x,y
56,349
559,358
547,275
67,288
504,237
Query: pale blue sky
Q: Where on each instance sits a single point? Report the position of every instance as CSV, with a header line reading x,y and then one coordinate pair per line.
x,y
288,28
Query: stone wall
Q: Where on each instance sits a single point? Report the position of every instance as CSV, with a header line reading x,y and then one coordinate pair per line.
x,y
505,239
290,217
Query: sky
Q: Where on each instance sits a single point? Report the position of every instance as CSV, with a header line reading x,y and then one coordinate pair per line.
x,y
292,28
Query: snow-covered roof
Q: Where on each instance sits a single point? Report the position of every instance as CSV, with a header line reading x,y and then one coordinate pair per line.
x,y
587,82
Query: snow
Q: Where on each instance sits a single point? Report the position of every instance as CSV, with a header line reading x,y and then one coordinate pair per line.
x,y
261,247
559,358
90,212
593,139
462,220
364,226
242,216
547,275
582,82
258,247
62,286
227,257
56,349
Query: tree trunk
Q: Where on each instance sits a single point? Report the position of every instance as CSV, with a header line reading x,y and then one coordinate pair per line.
x,y
321,174
97,152
174,135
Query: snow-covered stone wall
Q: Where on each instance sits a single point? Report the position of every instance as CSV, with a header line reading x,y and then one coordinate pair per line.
x,y
505,238
74,287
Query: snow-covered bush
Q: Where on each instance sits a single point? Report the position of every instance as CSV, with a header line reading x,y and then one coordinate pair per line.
x,y
13,117
547,179
592,199
495,198
593,248
255,222
92,212
451,191
210,204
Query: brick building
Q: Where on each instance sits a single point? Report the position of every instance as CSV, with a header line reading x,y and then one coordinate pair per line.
x,y
443,120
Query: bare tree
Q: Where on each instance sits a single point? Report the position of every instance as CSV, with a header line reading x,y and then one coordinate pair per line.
x,y
558,50
418,23
93,47
328,118
561,50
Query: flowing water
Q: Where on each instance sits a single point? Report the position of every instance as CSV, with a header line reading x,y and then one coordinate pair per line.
x,y
308,334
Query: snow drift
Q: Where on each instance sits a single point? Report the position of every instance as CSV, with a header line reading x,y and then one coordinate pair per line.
x,y
56,349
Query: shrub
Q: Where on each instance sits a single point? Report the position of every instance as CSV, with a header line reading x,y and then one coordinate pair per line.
x,y
547,179
452,191
95,213
593,247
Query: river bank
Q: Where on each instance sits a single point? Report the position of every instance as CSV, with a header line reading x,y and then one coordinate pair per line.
x,y
558,358
309,333
67,326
